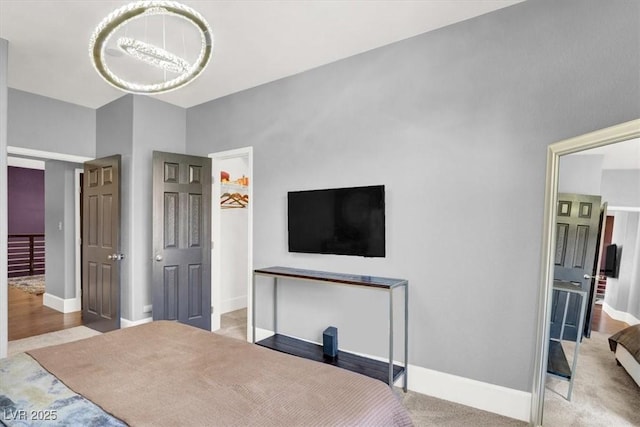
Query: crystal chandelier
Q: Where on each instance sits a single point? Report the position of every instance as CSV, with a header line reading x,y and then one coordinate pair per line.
x,y
124,56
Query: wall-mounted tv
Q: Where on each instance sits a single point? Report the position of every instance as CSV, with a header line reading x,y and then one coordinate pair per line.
x,y
611,261
341,221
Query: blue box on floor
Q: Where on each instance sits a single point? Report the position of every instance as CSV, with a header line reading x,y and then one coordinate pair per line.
x,y
330,341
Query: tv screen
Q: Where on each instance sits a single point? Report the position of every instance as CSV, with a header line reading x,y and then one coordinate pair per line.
x,y
611,261
341,221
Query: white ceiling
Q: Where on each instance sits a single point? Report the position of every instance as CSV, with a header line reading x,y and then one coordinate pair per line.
x,y
622,155
255,41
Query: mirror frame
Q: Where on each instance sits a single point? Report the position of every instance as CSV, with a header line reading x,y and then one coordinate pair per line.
x,y
599,138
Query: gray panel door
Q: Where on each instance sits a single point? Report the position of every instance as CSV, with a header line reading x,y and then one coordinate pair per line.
x,y
577,237
181,284
101,255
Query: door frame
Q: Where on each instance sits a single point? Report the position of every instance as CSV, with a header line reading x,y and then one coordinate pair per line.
x,y
599,138
4,286
216,252
77,301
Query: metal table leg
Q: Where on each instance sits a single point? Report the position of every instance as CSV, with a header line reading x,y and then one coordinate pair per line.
x,y
406,336
253,308
390,337
564,316
574,362
275,305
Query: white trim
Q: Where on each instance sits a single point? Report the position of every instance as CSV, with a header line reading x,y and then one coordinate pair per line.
x,y
4,224
21,162
62,305
126,323
78,245
47,155
477,394
623,209
622,316
233,304
216,297
611,135
260,333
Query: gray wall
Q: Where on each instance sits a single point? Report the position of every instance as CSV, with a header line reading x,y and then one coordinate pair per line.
x,y
46,124
59,228
633,305
4,56
580,174
156,126
134,126
623,293
621,187
455,123
114,135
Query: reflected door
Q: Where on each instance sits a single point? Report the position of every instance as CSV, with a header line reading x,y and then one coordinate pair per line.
x,y
577,234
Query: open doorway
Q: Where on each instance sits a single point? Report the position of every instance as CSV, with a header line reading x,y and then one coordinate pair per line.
x,y
617,134
232,235
52,267
25,245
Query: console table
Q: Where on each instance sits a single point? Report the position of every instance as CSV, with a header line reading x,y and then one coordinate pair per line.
x,y
384,371
557,363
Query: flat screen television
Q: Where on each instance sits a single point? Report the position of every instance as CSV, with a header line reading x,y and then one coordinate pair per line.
x,y
611,261
340,221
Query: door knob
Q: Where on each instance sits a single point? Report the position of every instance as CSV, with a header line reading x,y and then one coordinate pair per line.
x,y
158,257
115,257
586,276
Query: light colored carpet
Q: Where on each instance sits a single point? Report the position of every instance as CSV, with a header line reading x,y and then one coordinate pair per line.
x,y
52,338
603,393
234,324
31,284
430,411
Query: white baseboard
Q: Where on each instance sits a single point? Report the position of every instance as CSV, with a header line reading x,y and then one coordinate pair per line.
x,y
622,316
262,334
62,305
476,394
126,323
233,304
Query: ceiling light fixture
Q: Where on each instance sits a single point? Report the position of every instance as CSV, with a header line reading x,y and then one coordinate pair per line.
x,y
153,55
148,53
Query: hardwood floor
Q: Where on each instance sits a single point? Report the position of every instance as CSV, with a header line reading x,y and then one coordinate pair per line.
x,y
602,322
28,317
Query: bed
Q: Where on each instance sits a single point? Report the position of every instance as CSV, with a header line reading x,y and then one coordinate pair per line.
x,y
167,373
626,346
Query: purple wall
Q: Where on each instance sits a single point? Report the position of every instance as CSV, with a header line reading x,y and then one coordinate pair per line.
x,y
26,200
